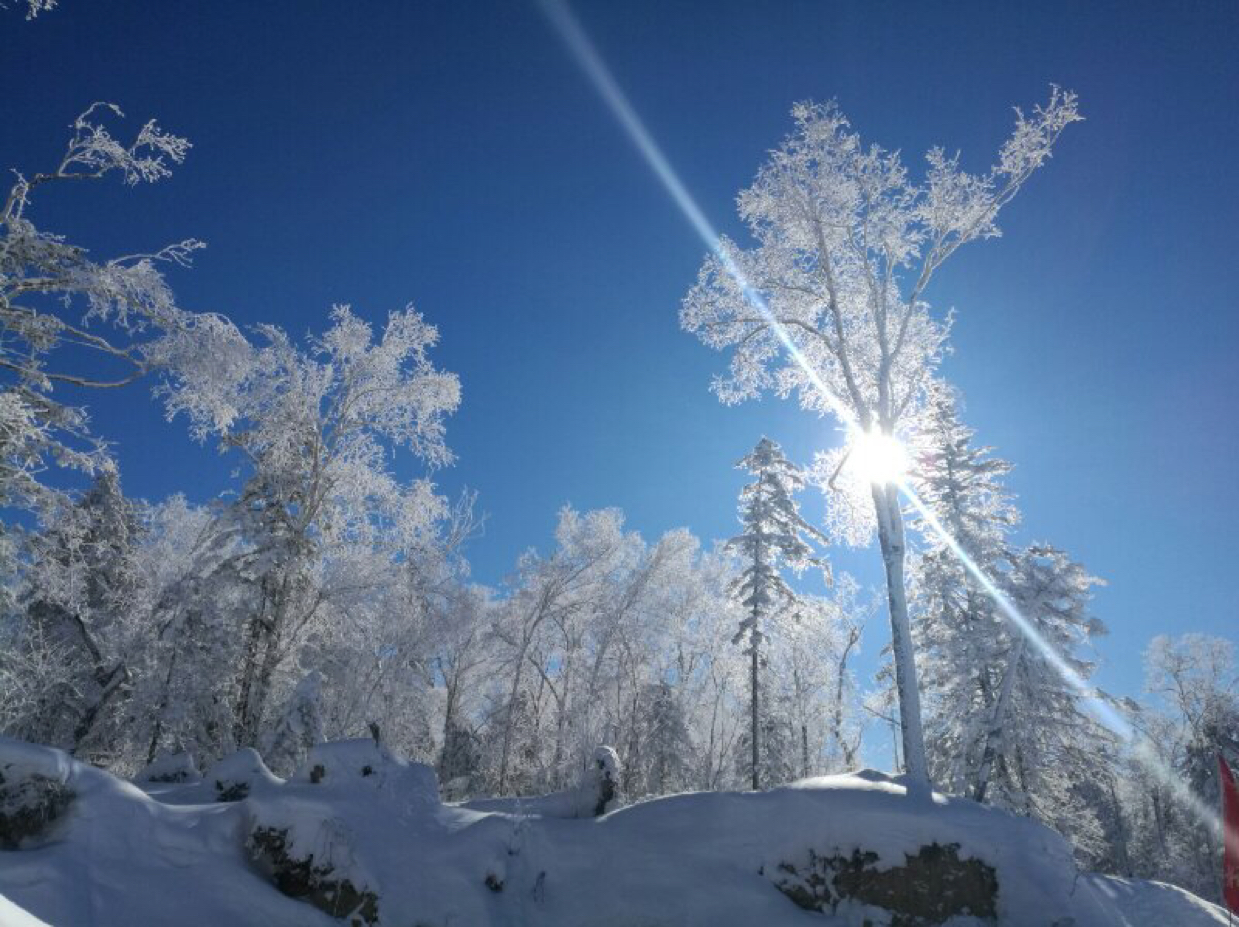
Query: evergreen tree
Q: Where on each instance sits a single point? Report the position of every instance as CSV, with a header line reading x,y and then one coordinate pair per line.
x,y
772,539
959,631
1040,740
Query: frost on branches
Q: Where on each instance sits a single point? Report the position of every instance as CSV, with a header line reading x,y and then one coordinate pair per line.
x,y
845,245
33,7
959,632
321,520
772,540
1005,726
54,295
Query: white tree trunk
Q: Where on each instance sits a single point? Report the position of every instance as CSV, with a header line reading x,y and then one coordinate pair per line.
x,y
891,540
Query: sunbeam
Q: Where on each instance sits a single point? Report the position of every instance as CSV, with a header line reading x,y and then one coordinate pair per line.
x,y
586,56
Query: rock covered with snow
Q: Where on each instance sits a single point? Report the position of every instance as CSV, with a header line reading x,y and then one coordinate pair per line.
x,y
239,775
370,763
171,769
596,794
34,792
305,854
311,856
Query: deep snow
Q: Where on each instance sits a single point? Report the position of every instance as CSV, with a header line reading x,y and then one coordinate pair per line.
x,y
171,854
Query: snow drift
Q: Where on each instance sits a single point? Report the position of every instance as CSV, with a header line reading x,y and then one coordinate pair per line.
x,y
368,841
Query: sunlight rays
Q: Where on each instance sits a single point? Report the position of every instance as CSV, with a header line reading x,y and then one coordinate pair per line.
x,y
882,458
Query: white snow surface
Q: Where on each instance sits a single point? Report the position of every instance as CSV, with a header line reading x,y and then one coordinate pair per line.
x,y
170,767
123,856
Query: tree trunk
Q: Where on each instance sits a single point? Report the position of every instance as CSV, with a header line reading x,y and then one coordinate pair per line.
x,y
753,688
847,753
113,684
505,750
249,668
997,722
891,540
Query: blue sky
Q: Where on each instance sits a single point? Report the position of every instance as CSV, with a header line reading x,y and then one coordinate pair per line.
x,y
450,154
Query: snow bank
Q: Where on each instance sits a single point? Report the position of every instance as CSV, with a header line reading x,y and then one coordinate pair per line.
x,y
348,763
170,768
596,794
123,857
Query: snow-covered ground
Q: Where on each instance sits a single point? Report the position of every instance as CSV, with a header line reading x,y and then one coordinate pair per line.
x,y
169,853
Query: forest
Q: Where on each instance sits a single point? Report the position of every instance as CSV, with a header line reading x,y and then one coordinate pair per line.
x,y
324,597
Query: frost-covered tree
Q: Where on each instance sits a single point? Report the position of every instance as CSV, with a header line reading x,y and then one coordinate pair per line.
x,y
959,632
321,517
298,727
1039,738
811,672
33,7
540,623
69,321
1192,719
82,583
775,537
846,244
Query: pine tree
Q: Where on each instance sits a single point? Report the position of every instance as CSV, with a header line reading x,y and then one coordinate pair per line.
x,y
959,631
772,539
1039,739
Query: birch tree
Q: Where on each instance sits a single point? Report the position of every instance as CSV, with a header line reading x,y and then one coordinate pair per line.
x,y
845,246
313,427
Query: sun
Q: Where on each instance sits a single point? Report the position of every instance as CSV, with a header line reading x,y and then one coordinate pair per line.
x,y
877,457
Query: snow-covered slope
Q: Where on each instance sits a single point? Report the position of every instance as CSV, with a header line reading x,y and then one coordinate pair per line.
x,y
121,856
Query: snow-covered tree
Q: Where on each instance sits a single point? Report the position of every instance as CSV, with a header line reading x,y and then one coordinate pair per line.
x,y
811,673
773,539
846,244
82,582
298,728
313,427
959,631
541,623
1192,719
70,321
1039,738
34,7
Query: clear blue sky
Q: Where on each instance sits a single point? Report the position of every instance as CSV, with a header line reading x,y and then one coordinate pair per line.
x,y
450,154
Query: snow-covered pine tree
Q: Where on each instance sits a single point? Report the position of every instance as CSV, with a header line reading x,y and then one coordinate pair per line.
x,y
959,632
1039,738
773,538
298,728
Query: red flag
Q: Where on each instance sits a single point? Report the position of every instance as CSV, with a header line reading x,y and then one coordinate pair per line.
x,y
1230,830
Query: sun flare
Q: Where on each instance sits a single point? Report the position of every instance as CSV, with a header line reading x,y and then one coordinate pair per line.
x,y
877,457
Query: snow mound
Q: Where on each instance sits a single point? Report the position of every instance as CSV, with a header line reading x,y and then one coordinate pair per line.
x,y
596,794
171,768
290,851
345,763
35,793
239,775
